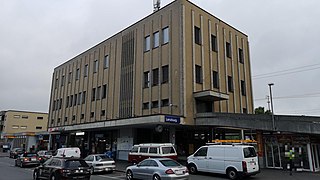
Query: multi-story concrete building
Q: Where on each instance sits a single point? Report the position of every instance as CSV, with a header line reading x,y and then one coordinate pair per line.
x,y
20,128
148,82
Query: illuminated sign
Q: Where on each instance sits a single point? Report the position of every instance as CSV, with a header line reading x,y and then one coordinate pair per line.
x,y
172,119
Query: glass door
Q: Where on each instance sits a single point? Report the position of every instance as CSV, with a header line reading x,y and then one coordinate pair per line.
x,y
273,159
315,156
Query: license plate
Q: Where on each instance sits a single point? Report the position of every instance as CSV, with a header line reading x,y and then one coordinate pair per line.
x,y
179,172
33,159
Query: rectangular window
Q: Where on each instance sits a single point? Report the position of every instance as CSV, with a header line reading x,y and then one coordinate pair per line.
x,y
59,120
57,83
98,92
244,111
95,66
164,102
71,100
77,74
84,97
106,62
70,77
24,117
197,35
104,92
230,84
147,43
103,112
62,81
241,58
243,88
65,119
146,79
165,35
93,96
82,116
79,99
228,50
23,127
155,77
155,104
38,127
85,72
39,117
165,74
92,114
215,78
156,39
214,46
67,102
15,127
54,105
75,99
73,118
146,105
198,74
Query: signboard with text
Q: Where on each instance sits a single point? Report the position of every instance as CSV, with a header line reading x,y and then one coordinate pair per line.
x,y
172,119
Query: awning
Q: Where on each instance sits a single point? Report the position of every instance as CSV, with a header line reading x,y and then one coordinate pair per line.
x,y
210,96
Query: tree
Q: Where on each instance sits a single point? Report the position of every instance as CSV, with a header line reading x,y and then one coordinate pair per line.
x,y
260,110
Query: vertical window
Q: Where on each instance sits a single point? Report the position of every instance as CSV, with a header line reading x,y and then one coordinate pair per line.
x,y
165,74
155,77
155,104
197,35
98,92
228,49
54,106
215,79
146,79
230,84
156,39
62,81
164,102
65,119
198,74
104,92
93,97
70,77
106,62
214,46
83,97
75,99
244,111
92,114
95,66
103,112
71,100
60,104
165,35
78,74
57,83
67,102
147,43
146,105
243,88
85,72
79,98
241,58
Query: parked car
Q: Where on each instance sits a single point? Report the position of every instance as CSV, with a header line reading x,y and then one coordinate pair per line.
x,y
68,152
44,155
100,163
232,160
15,152
27,159
5,147
62,168
156,169
154,150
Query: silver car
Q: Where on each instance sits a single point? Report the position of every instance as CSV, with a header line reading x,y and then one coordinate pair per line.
x,y
100,163
156,169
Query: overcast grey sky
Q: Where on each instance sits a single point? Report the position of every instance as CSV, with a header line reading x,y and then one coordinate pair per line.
x,y
38,35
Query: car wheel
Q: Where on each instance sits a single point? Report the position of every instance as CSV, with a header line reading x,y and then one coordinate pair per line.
x,y
232,173
193,169
156,177
35,175
129,175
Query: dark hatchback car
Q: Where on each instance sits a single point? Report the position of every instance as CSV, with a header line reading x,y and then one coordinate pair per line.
x,y
27,159
62,168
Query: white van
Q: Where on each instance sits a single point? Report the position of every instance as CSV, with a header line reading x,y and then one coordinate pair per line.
x,y
68,152
232,160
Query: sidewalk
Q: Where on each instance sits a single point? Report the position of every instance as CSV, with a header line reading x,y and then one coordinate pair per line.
x,y
121,165
2,154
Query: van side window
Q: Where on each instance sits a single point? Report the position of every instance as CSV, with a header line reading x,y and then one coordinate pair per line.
x,y
134,149
249,152
202,152
153,150
143,149
168,150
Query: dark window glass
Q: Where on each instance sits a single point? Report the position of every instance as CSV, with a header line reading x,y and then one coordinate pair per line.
x,y
168,150
165,102
155,104
104,91
155,77
198,74
134,149
249,152
165,74
75,164
243,88
143,149
170,163
230,84
75,99
146,79
146,105
201,152
197,35
214,46
215,79
84,97
153,150
241,58
228,49
93,96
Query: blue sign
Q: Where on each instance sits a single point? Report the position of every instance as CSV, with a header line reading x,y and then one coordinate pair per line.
x,y
172,119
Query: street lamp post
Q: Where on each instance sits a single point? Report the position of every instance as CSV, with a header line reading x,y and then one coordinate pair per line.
x,y
272,112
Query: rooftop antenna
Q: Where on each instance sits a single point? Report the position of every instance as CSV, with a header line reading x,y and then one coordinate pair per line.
x,y
156,5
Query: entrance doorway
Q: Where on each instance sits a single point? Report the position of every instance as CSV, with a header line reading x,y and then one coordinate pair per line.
x,y
316,156
273,155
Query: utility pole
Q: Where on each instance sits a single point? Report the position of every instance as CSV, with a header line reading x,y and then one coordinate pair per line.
x,y
272,112
268,98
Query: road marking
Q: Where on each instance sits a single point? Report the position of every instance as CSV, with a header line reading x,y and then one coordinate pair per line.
x,y
112,177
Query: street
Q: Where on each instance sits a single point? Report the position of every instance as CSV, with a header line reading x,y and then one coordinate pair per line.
x,y
9,172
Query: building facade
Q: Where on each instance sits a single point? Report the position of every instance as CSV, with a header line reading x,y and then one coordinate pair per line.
x,y
148,82
20,128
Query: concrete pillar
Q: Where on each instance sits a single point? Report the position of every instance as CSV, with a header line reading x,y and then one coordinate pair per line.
x,y
260,146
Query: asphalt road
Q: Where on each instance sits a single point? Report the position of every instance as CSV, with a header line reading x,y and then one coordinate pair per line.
x,y
9,172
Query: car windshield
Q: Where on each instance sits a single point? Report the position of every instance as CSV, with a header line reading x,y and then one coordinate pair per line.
x,y
76,164
103,157
249,152
167,150
169,163
48,153
30,155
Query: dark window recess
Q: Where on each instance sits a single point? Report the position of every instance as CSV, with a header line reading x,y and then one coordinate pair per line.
x,y
243,88
155,104
98,93
92,114
228,49
103,112
165,102
59,120
73,118
38,127
165,74
65,119
155,77
146,79
39,117
230,84
204,106
82,116
146,105
104,92
75,99
215,79
241,58
197,35
84,97
93,97
214,45
198,74
244,111
71,99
